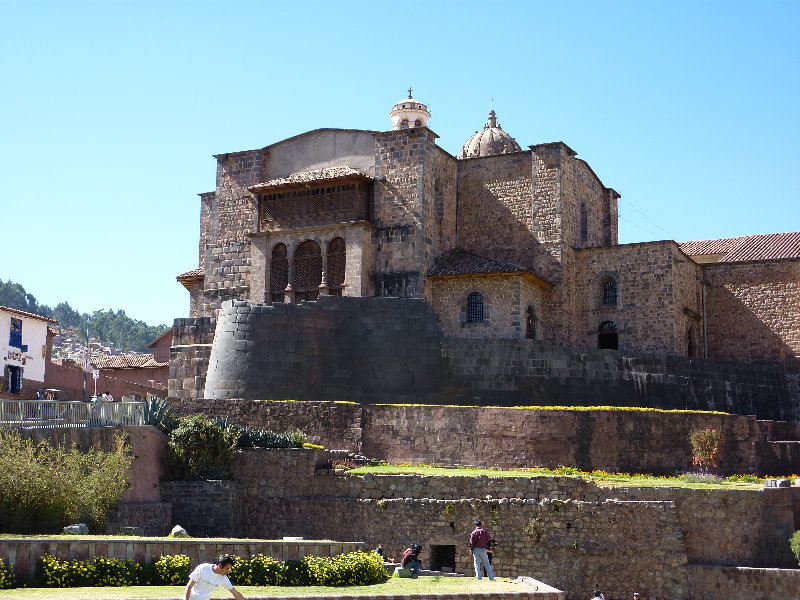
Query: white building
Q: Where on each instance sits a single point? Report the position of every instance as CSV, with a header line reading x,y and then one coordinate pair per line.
x,y
23,347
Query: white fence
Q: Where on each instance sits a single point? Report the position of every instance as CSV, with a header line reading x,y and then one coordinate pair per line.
x,y
52,414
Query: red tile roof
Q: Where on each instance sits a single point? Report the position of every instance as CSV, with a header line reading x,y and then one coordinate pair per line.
x,y
301,177
462,262
193,274
749,247
27,314
128,361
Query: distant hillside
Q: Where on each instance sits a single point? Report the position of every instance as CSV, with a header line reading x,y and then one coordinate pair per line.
x,y
115,328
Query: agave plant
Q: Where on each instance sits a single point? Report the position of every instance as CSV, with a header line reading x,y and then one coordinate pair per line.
x,y
158,413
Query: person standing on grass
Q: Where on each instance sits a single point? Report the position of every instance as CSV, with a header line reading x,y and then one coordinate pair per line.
x,y
207,577
478,545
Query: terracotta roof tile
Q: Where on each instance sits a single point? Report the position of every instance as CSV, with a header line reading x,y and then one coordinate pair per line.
x,y
127,361
193,274
27,314
462,262
300,177
750,247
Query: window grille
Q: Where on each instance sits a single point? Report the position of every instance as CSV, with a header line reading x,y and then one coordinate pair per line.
x,y
530,324
475,308
279,273
610,292
307,271
336,266
15,337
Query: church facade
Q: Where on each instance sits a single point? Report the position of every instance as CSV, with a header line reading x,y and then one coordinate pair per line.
x,y
503,242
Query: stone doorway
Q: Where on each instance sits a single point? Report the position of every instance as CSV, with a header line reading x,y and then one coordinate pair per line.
x,y
443,558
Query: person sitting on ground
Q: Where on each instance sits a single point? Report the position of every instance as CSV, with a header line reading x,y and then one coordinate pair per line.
x,y
207,577
410,559
379,550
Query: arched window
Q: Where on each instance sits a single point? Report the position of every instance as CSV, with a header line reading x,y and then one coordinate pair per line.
x,y
418,123
278,273
692,343
610,292
584,223
475,308
404,124
307,271
607,336
336,265
530,324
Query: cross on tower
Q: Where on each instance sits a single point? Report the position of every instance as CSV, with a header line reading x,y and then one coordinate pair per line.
x,y
410,89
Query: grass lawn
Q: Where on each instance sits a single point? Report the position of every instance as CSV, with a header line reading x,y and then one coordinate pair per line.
x,y
602,478
423,585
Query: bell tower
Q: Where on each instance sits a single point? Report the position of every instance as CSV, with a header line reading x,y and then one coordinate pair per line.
x,y
409,113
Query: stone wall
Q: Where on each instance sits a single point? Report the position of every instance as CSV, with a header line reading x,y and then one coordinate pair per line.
x,y
189,355
205,508
25,553
362,349
760,302
655,283
628,441
566,532
505,301
542,528
393,350
713,583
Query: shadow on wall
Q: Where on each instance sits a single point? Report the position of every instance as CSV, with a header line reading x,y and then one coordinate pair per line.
x,y
736,332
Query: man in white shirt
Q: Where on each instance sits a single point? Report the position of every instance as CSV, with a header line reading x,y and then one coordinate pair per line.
x,y
208,577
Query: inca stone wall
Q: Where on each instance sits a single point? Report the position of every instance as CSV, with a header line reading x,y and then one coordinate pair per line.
x,y
566,532
713,583
760,302
630,441
375,350
189,355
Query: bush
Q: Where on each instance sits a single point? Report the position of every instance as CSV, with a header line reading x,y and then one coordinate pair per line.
x,y
258,570
172,570
111,572
44,487
7,578
355,568
706,447
295,573
200,449
250,437
794,544
59,573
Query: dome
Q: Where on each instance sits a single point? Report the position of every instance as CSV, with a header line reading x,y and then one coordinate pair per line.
x,y
490,141
409,113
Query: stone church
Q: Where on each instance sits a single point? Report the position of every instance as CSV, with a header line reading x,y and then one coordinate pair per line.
x,y
501,242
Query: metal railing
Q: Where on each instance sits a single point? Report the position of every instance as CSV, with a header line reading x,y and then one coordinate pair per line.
x,y
53,414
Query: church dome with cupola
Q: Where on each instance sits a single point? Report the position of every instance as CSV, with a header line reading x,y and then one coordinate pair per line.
x,y
489,141
409,113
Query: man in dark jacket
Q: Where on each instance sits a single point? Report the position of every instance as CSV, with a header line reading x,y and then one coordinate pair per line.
x,y
478,545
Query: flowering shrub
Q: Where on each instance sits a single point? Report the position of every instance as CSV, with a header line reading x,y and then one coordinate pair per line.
x,y
258,570
354,568
64,573
706,447
7,578
111,572
794,544
173,570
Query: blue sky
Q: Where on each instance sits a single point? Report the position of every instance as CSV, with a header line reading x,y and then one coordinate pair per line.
x,y
111,112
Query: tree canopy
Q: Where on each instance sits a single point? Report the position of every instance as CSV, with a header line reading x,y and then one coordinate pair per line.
x,y
116,328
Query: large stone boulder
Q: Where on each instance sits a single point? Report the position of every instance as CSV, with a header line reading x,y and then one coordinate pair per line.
x,y
178,531
77,529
